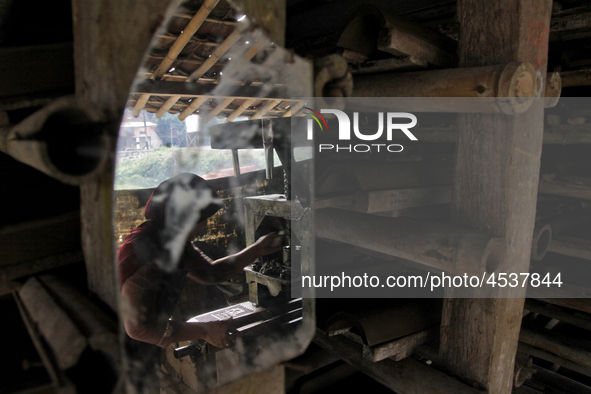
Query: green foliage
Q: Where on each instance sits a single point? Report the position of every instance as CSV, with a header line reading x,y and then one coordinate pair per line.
x,y
163,163
169,122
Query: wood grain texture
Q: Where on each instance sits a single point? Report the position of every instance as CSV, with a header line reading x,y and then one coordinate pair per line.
x,y
497,169
110,39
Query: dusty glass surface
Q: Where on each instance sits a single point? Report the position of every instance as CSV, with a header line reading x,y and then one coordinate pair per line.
x,y
203,189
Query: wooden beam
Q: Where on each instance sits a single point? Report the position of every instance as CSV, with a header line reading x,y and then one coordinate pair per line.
x,y
293,110
176,48
570,246
264,109
238,111
187,33
57,327
182,89
495,188
408,376
442,246
576,78
406,38
209,20
214,58
565,189
552,345
167,105
195,104
103,79
401,348
504,88
218,108
217,54
555,312
553,358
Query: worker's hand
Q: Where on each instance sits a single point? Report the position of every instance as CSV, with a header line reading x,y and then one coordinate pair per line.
x,y
270,243
220,333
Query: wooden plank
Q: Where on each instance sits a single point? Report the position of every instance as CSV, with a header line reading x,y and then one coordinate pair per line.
x,y
266,108
415,42
59,330
495,188
408,376
576,319
218,108
553,358
564,296
238,111
565,189
576,78
399,349
175,49
552,345
570,246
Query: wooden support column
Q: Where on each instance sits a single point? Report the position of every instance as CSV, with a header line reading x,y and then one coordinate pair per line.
x,y
496,179
103,79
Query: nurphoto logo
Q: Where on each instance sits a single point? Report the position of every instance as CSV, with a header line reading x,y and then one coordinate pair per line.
x,y
345,130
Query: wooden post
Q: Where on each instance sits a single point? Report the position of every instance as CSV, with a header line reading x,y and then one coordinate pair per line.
x,y
496,179
103,79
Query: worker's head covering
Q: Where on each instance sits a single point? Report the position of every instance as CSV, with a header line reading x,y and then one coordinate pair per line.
x,y
173,211
184,198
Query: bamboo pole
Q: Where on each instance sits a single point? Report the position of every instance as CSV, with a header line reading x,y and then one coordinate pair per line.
x,y
176,48
293,110
238,111
216,55
188,32
221,106
195,104
167,105
266,108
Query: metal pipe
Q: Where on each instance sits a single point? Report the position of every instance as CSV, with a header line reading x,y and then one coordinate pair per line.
x,y
437,245
510,88
235,163
267,128
63,140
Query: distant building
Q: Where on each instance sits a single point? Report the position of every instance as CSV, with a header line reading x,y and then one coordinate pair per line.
x,y
138,135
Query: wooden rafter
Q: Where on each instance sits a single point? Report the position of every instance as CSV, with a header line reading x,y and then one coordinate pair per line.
x,y
207,64
294,108
167,89
194,106
218,108
238,111
266,108
177,47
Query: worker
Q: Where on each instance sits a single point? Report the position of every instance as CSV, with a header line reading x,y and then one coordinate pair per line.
x,y
158,256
